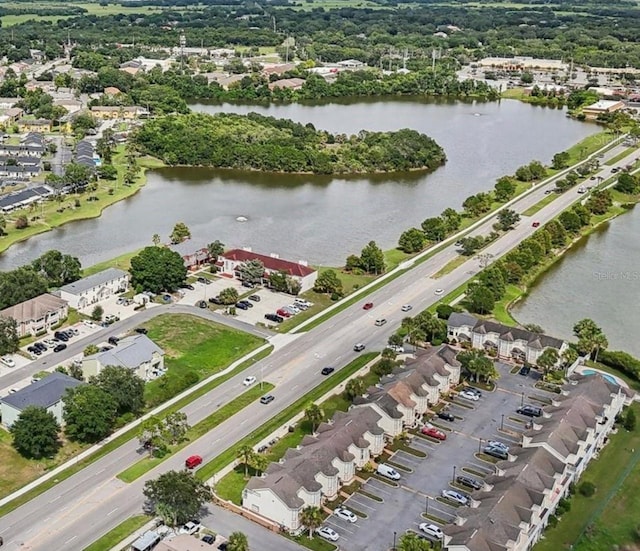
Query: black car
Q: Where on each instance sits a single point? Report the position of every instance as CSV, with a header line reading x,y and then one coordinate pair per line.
x,y
60,347
446,416
61,336
530,411
473,390
247,284
215,300
327,370
525,370
141,330
105,348
202,304
69,333
246,303
204,280
469,482
274,317
40,346
188,286
223,546
254,298
208,539
242,306
113,340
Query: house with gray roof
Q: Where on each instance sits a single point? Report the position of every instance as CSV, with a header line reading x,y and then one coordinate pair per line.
x,y
95,288
509,343
37,315
315,470
137,353
47,393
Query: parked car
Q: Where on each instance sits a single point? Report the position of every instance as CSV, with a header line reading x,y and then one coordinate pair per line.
x,y
188,286
303,302
300,306
267,399
209,539
204,281
457,497
60,347
249,380
202,304
61,336
431,530
530,411
254,298
525,370
467,395
345,514
6,360
241,306
446,416
292,308
189,528
495,451
274,317
396,348
469,481
223,546
327,533
246,303
113,340
406,307
474,390
193,461
358,347
248,284
368,306
433,432
141,330
498,444
283,313
215,300
89,324
380,322
388,471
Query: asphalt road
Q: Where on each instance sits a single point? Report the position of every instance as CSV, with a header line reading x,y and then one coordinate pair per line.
x,y
78,510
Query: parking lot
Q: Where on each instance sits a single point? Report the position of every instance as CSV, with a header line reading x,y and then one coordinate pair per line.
x,y
492,417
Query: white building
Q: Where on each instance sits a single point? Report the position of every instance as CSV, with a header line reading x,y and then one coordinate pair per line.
x,y
138,353
95,288
46,393
38,315
511,343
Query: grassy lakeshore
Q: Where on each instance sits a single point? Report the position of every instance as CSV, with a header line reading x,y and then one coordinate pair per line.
x,y
53,214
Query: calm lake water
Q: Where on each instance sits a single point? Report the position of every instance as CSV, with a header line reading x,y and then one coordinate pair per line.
x,y
323,219
599,278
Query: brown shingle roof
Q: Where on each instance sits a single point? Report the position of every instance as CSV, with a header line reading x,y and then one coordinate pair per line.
x,y
36,308
270,263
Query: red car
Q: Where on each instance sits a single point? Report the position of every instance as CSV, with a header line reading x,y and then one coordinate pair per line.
x,y
535,224
434,433
368,306
193,461
283,313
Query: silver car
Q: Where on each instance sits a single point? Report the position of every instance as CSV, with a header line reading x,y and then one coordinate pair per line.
x,y
455,496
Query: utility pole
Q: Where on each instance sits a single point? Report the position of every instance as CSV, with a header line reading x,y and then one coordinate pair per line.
x,y
183,43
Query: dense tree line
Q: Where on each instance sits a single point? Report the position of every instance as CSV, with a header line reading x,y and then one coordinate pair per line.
x,y
256,142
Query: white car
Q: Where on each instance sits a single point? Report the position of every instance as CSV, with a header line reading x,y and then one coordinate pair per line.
x,y
51,343
89,324
438,292
380,322
469,396
303,302
345,514
455,496
189,528
498,444
432,530
249,381
293,308
396,348
6,360
327,533
406,307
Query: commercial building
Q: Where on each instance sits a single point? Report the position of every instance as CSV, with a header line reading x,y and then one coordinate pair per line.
x,y
602,107
37,315
95,288
522,63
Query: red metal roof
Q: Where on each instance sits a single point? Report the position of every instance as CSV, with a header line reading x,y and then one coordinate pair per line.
x,y
270,263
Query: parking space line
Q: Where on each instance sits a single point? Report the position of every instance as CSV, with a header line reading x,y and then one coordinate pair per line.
x,y
359,503
339,526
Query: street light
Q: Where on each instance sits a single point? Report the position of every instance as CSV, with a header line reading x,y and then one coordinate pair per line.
x,y
454,474
479,444
394,541
426,506
261,376
522,400
502,422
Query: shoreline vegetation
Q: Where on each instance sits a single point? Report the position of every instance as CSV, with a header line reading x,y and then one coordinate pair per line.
x,y
257,142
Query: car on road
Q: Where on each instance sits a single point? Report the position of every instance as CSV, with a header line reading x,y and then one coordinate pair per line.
x,y
60,347
345,514
535,224
582,189
202,304
446,416
468,481
359,347
328,370
327,533
438,292
496,452
548,191
367,306
530,411
274,317
406,307
380,322
433,432
254,298
249,380
6,360
431,530
457,497
468,395
267,399
193,461
241,306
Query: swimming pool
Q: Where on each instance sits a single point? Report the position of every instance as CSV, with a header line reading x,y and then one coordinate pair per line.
x,y
609,378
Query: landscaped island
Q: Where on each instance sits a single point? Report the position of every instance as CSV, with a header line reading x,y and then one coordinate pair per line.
x,y
256,142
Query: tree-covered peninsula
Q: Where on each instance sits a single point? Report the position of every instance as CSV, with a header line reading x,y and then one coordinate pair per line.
x,y
256,142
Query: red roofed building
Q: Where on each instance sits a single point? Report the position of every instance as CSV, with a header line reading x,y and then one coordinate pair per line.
x,y
299,271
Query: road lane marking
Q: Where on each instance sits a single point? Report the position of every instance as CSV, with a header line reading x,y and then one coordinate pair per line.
x,y
111,512
70,540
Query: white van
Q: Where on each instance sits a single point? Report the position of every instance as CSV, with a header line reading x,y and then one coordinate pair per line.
x,y
389,472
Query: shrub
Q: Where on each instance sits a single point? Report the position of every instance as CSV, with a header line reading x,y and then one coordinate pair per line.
x,y
587,488
553,521
564,506
630,420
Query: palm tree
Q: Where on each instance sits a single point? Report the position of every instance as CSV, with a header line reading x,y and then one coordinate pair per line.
x,y
238,542
314,415
156,239
215,249
569,356
355,387
598,342
259,462
245,455
548,360
311,517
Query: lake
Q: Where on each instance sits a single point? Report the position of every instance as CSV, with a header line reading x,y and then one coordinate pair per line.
x,y
317,218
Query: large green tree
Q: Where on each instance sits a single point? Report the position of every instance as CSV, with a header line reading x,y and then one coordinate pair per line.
x,y
57,268
9,341
237,542
157,269
314,415
251,271
412,240
35,433
372,259
180,233
89,413
311,517
21,284
410,541
507,219
177,496
548,360
328,282
124,386
480,299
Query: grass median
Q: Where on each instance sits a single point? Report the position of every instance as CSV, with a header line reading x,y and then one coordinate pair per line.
x,y
125,437
229,455
119,533
227,411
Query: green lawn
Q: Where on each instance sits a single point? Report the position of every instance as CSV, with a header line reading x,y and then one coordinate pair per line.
x,y
620,156
120,532
590,144
541,204
123,262
393,257
501,308
193,345
614,509
227,411
450,266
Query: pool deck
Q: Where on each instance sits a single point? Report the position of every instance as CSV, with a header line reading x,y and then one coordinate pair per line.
x,y
586,370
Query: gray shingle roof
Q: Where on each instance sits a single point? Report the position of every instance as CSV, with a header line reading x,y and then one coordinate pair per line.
x,y
44,393
130,352
92,281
